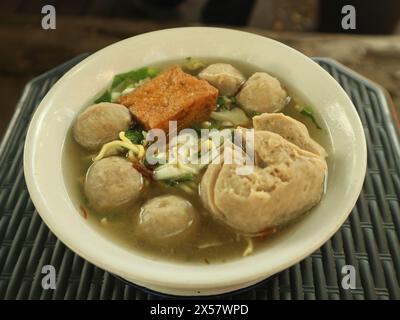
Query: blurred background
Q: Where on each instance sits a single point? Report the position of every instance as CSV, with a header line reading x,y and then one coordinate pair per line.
x,y
311,26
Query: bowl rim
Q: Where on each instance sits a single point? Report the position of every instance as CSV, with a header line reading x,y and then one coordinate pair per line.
x,y
190,282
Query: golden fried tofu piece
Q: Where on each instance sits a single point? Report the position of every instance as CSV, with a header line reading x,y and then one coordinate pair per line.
x,y
173,95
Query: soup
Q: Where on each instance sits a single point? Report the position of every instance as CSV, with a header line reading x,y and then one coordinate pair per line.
x,y
201,212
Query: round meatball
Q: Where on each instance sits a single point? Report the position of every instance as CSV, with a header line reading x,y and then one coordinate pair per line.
x,y
101,123
166,219
226,78
262,93
112,184
286,182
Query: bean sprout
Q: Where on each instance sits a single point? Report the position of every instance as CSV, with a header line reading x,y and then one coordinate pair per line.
x,y
250,247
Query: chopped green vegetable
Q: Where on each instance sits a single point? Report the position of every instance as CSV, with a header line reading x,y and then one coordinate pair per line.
x,y
183,178
135,134
152,72
221,101
131,77
115,95
212,124
105,97
308,112
171,183
126,80
254,113
193,64
226,103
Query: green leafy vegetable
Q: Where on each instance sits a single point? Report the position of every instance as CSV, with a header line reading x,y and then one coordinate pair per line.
x,y
184,178
308,112
132,77
209,124
135,134
221,101
213,124
254,113
126,80
105,97
226,103
193,64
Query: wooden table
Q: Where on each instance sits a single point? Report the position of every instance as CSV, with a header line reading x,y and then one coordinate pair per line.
x,y
28,50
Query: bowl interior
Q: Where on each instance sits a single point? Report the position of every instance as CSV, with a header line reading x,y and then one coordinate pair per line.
x,y
54,116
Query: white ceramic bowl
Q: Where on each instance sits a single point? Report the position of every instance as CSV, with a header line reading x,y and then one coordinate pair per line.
x,y
53,118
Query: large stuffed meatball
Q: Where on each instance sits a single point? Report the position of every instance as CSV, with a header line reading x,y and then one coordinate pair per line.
x,y
226,78
101,123
292,130
286,182
262,93
112,184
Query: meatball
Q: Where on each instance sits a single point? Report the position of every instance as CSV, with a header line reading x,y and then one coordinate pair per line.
x,y
226,78
286,182
166,219
112,184
262,93
101,123
290,129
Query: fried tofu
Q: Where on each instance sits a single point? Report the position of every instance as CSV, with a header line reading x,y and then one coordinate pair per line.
x,y
173,95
